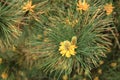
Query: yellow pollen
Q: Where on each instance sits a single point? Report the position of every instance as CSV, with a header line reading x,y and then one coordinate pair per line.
x,y
4,75
67,48
28,6
108,8
82,5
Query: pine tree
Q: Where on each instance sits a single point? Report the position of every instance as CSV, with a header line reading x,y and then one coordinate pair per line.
x,y
55,39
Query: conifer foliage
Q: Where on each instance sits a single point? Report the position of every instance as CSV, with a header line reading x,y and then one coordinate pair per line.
x,y
55,39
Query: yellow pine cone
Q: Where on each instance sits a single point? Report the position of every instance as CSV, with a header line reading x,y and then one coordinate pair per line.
x,y
4,75
108,8
28,6
65,77
96,78
82,5
67,48
114,64
99,71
